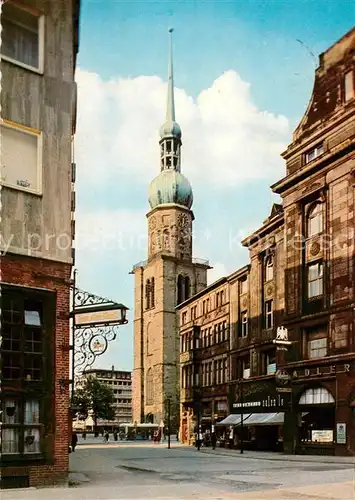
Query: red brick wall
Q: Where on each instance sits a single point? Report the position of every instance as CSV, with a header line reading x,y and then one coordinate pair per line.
x,y
54,276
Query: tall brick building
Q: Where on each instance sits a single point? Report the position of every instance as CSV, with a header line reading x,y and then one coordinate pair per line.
x,y
38,100
169,276
300,277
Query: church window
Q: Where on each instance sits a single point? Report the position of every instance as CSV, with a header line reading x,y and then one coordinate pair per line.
x,y
168,146
166,239
187,288
152,293
147,294
149,387
168,162
180,291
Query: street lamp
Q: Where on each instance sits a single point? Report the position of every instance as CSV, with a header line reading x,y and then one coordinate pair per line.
x,y
242,416
169,429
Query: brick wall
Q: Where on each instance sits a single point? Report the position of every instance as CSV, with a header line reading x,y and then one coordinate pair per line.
x,y
53,276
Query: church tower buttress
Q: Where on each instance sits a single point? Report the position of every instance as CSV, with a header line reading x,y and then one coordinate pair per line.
x,y
168,277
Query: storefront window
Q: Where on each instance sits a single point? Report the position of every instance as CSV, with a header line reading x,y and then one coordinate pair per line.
x,y
318,419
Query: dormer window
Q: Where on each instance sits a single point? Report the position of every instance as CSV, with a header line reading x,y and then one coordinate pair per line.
x,y
349,90
314,153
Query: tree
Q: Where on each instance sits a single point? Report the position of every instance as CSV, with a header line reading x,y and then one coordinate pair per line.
x,y
95,396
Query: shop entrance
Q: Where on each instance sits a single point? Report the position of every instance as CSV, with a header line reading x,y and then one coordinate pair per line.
x,y
316,422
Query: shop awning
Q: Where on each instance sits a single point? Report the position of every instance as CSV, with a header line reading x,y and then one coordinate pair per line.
x,y
233,419
265,419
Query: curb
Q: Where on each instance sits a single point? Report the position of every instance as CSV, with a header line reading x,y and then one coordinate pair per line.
x,y
300,458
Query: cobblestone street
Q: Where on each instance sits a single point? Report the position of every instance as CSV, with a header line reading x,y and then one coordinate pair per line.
x,y
141,470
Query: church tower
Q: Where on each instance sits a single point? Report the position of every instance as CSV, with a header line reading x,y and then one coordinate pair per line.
x,y
168,277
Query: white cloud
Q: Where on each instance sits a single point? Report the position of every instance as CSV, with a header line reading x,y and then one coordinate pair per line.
x,y
111,231
226,138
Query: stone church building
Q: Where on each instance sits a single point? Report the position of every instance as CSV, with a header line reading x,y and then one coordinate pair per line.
x,y
168,277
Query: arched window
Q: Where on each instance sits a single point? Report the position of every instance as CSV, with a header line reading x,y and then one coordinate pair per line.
x,y
152,293
183,288
187,288
269,268
316,395
149,388
166,239
147,294
180,289
315,219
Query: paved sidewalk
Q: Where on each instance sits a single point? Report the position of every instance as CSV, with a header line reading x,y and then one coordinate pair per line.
x,y
260,455
334,491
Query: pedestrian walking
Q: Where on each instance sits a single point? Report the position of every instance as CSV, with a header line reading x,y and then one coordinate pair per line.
x,y
74,441
107,436
231,436
213,440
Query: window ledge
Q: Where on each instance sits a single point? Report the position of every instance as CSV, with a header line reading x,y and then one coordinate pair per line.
x,y
32,69
22,189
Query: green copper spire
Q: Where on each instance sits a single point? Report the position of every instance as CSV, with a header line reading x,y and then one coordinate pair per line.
x,y
170,186
170,109
170,128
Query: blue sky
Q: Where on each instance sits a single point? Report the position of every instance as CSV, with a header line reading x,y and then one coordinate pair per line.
x,y
243,69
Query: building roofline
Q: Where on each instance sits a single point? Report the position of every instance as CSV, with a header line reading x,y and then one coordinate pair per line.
x,y
264,230
208,288
94,370
239,272
346,35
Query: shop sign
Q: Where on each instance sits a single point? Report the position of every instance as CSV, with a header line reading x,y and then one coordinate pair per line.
x,y
341,433
269,402
282,377
98,345
322,370
322,436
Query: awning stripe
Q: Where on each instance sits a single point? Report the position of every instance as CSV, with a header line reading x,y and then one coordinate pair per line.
x,y
233,419
254,419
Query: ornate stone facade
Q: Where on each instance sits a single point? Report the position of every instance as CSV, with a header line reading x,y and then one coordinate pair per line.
x,y
168,277
300,277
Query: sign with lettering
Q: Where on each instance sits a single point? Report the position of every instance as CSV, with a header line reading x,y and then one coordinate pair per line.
x,y
108,316
341,433
322,371
322,436
269,402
